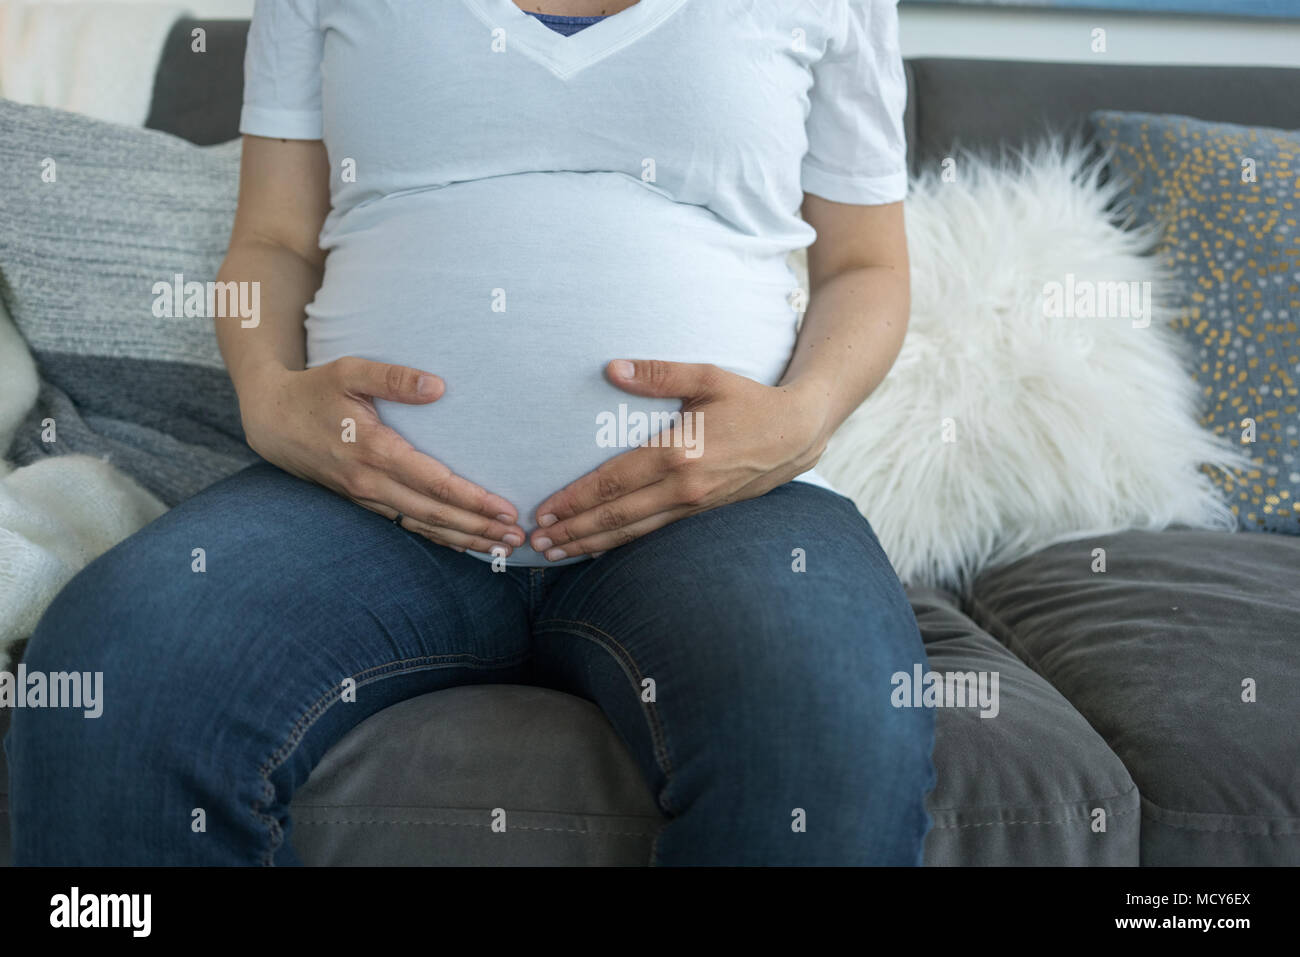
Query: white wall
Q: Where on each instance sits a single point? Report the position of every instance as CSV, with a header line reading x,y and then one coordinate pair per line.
x,y
1067,35
221,8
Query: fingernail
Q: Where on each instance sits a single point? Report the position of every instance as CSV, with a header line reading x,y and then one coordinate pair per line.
x,y
555,554
510,538
425,385
544,543
624,369
547,520
503,517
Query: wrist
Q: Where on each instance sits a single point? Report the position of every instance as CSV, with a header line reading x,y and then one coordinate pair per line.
x,y
252,377
256,385
813,401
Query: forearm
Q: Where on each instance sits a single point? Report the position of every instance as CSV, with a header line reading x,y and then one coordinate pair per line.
x,y
287,282
850,337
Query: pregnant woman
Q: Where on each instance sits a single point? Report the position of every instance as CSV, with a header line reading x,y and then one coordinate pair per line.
x,y
534,406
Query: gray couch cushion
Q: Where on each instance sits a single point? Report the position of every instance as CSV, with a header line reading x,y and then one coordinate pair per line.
x,y
991,105
418,782
198,96
1023,787
1154,652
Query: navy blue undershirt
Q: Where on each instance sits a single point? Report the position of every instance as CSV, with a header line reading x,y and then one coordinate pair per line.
x,y
567,26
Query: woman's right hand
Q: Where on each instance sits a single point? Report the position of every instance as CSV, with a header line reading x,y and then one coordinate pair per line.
x,y
296,420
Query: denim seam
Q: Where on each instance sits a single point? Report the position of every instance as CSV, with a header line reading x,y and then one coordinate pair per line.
x,y
958,827
658,738
312,715
1089,800
534,574
1063,805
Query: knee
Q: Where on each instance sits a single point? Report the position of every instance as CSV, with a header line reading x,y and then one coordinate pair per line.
x,y
154,598
111,623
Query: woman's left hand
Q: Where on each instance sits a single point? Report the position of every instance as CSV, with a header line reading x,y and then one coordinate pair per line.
x,y
747,439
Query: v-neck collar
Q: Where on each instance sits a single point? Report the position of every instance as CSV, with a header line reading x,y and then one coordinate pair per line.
x,y
565,56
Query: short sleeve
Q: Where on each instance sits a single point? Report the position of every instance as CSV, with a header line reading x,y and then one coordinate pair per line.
x,y
857,147
282,77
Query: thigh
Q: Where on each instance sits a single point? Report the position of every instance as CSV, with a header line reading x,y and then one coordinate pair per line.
x,y
746,653
239,636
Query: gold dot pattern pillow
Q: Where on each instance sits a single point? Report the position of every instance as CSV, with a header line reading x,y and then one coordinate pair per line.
x,y
1226,202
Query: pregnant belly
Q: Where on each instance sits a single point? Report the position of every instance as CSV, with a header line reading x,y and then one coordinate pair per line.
x,y
517,291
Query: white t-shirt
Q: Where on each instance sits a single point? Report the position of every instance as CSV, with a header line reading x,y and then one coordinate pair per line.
x,y
513,208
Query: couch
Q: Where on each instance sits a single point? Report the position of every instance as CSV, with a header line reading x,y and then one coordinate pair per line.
x,y
1122,737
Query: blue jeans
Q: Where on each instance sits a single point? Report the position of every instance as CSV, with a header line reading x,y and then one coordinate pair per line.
x,y
222,689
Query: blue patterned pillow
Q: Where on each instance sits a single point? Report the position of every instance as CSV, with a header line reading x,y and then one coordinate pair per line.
x,y
1227,201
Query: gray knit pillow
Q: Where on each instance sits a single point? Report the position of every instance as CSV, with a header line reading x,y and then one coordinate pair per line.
x,y
92,216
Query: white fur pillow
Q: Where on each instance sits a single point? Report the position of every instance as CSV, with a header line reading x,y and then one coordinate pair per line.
x,y
1003,429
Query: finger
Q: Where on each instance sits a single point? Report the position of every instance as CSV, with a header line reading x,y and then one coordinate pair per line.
x,y
669,380
438,514
441,536
428,476
610,480
378,508
603,541
380,380
606,517
455,539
